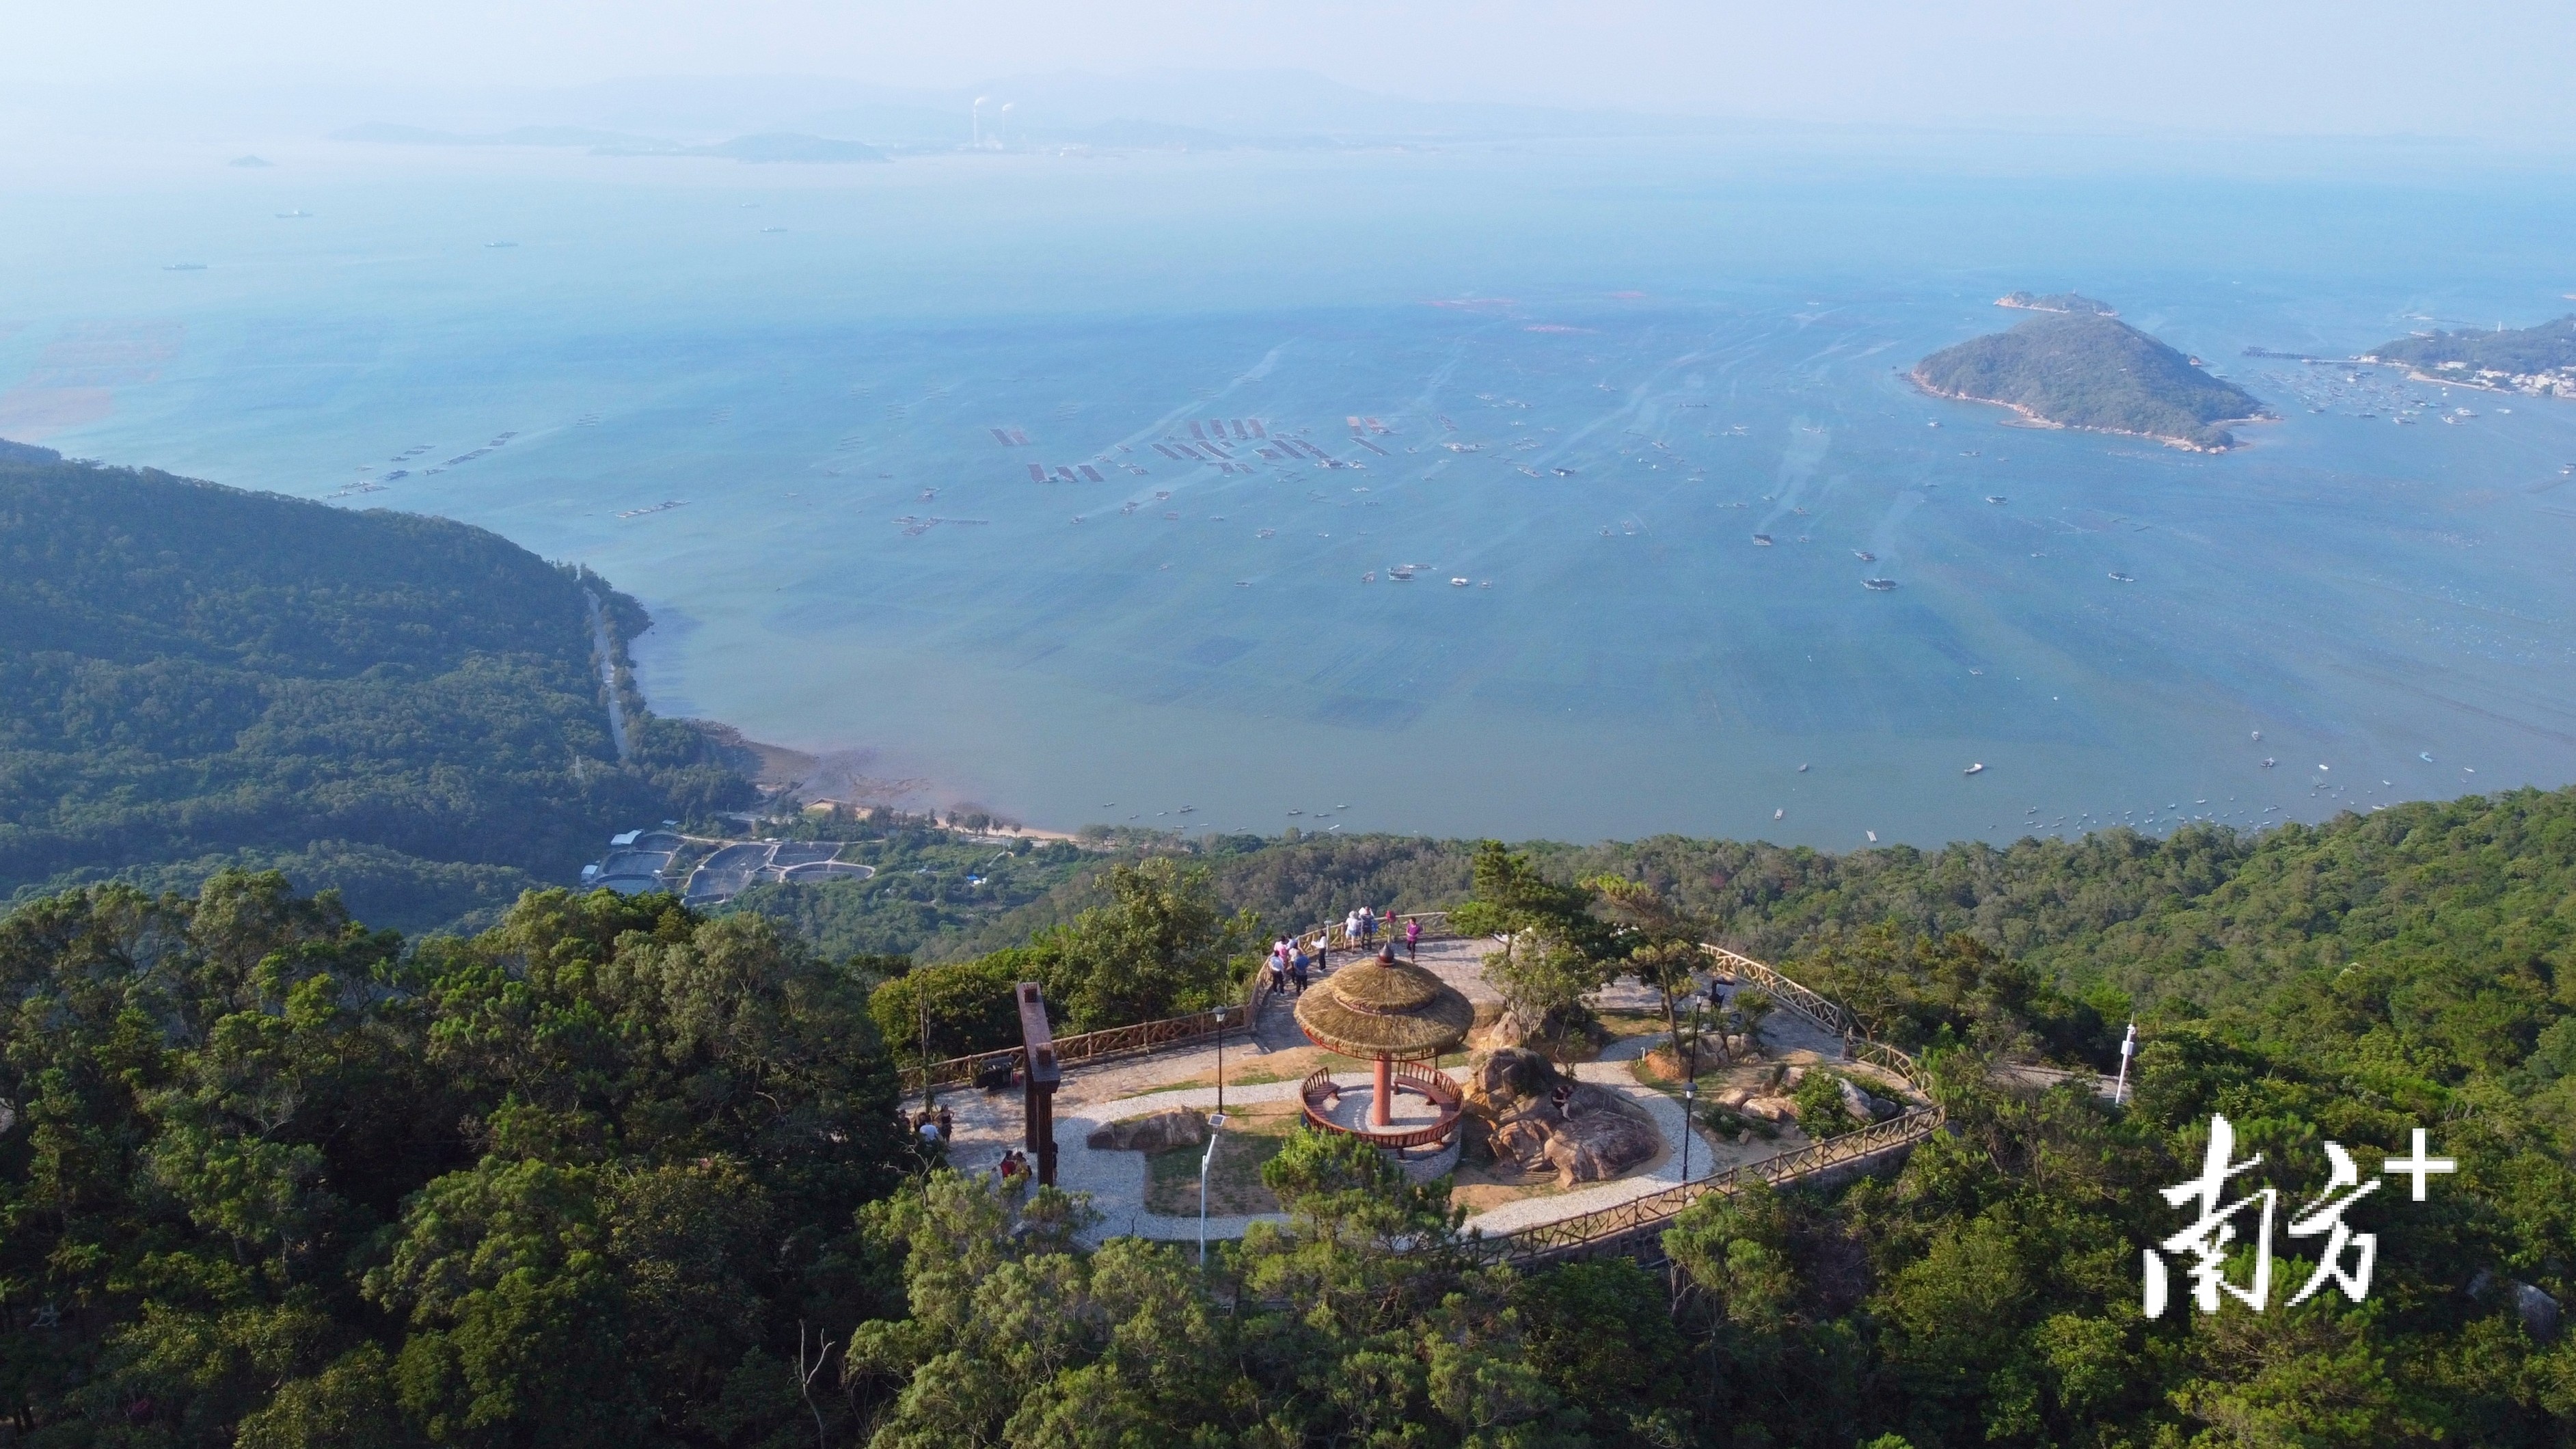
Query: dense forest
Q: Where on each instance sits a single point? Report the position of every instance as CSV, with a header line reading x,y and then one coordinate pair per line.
x,y
2521,350
409,709
2090,370
612,1173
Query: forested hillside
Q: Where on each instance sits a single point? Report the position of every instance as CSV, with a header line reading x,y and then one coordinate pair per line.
x,y
616,1175
2186,924
193,676
268,1179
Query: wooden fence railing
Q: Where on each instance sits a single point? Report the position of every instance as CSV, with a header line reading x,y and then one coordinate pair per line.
x,y
1821,1010
1622,1229
1198,1025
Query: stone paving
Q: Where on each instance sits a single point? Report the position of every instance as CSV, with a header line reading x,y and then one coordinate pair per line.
x,y
988,1126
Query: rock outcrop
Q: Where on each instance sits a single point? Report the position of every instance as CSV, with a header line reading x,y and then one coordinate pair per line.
x,y
1538,1119
1156,1133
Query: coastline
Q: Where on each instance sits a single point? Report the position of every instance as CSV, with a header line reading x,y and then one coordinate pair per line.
x,y
2033,419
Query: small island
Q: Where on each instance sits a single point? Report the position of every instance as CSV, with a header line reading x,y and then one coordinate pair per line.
x,y
2089,370
2055,302
2537,360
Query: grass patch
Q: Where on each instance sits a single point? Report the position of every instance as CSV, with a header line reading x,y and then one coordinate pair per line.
x,y
1251,1139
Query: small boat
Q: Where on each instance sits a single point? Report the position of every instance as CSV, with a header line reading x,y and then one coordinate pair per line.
x,y
293,215
1976,769
1878,585
1864,555
1779,814
2426,756
1458,583
1873,836
2269,762
1370,577
496,246
1762,540
2119,577
185,267
2258,736
1997,498
1802,769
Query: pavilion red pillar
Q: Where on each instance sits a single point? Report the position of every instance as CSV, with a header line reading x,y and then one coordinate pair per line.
x,y
1382,1103
1043,1075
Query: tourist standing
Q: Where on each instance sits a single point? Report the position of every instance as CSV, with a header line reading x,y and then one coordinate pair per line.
x,y
1351,927
1297,965
1413,939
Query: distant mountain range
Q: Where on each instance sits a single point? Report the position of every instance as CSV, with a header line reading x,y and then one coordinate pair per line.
x,y
1201,110
766,146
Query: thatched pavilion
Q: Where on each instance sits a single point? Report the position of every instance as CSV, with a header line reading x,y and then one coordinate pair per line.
x,y
1391,1013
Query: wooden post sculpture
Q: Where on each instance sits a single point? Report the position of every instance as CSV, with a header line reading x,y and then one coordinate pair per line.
x,y
1039,1082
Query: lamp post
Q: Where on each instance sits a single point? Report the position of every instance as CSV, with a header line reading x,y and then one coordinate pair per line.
x,y
1220,1064
1216,1125
1690,1094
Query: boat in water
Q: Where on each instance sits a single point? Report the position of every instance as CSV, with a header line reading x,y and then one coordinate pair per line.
x,y
2119,577
1761,540
1864,555
1459,583
1978,768
185,267
1997,498
1878,585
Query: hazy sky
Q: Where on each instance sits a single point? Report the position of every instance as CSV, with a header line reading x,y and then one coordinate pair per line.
x,y
2495,70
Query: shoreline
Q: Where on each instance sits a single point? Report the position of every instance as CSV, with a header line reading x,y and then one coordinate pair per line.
x,y
2032,419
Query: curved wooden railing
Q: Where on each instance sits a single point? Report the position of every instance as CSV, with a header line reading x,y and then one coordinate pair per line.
x,y
1432,1083
1623,1228
1823,1011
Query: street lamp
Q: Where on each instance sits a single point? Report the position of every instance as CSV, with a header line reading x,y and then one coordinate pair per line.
x,y
1216,1124
1690,1094
1220,1064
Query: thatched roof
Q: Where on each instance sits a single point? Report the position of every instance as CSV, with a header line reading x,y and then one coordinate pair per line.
x,y
1373,1009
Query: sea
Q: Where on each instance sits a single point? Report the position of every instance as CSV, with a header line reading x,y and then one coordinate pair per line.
x,y
1409,488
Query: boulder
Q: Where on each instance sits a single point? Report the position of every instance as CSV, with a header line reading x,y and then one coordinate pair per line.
x,y
1505,1032
1156,1133
1594,1145
1732,1097
1770,1109
1861,1104
1507,1078
2539,1311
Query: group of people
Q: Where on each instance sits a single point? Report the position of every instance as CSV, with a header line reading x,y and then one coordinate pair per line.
x,y
1290,965
933,1126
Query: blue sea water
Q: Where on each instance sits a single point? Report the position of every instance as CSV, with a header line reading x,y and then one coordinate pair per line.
x,y
1645,354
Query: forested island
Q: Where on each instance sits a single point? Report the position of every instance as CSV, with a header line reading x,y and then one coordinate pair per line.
x,y
2055,302
2538,360
2089,370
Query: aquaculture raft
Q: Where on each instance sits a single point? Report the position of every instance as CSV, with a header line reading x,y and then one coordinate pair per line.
x,y
1388,1013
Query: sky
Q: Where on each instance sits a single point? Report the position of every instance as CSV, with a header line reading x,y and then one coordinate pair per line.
x,y
2492,72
